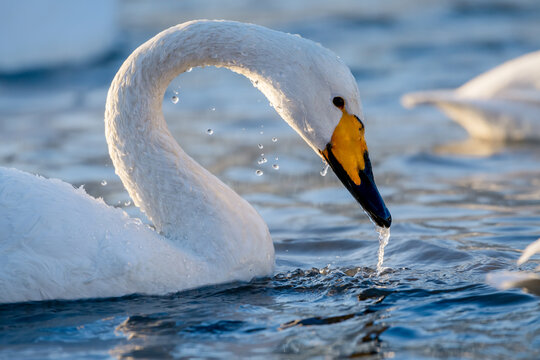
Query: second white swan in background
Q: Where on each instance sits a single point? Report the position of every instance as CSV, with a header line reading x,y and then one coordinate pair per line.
x,y
56,242
502,104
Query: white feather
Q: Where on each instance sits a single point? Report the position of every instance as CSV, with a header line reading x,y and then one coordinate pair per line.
x,y
56,242
501,104
529,251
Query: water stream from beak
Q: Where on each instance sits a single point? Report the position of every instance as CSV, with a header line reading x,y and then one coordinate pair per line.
x,y
384,238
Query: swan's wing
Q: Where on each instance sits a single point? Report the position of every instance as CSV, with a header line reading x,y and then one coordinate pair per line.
x,y
519,95
517,80
58,242
529,251
487,119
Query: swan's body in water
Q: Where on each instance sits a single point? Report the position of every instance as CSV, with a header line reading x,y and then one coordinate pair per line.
x,y
528,281
56,242
501,104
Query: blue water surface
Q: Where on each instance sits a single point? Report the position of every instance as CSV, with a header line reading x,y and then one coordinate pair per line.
x,y
461,208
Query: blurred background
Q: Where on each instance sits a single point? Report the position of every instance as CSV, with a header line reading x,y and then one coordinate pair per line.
x,y
57,59
461,208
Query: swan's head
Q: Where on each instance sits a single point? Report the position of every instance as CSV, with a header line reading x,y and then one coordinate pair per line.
x,y
317,95
347,154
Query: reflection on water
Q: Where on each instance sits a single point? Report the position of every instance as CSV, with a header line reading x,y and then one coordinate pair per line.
x,y
461,208
471,147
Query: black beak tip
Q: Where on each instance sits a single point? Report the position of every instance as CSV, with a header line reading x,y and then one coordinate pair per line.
x,y
384,222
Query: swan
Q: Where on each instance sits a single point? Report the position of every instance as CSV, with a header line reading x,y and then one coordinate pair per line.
x,y
57,242
501,104
527,281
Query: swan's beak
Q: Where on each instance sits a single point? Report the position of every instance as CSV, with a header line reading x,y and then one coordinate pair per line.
x,y
348,156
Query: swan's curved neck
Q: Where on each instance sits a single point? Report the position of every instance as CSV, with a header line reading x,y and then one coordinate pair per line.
x,y
161,179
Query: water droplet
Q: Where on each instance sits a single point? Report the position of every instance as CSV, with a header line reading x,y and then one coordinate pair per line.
x,y
189,70
274,139
104,183
260,146
262,161
127,203
209,131
261,132
276,158
213,109
275,166
384,237
258,172
324,170
174,99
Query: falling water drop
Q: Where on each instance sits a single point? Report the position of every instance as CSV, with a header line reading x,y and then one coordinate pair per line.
x,y
384,237
260,146
274,139
276,158
258,172
275,166
262,160
174,99
209,131
104,183
324,170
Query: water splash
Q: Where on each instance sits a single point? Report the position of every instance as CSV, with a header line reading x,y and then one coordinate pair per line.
x,y
384,237
324,171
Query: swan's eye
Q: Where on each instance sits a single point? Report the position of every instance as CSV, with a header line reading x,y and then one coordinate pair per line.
x,y
339,102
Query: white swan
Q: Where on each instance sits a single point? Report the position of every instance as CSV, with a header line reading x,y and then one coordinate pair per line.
x,y
501,105
527,281
56,242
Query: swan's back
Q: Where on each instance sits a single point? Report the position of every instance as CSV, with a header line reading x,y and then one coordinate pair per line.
x,y
500,104
508,80
57,242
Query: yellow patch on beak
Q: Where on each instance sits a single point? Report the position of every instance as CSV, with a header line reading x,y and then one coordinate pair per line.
x,y
348,145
